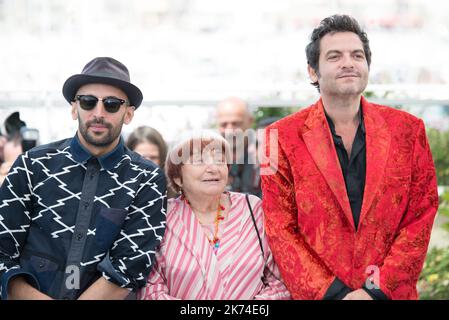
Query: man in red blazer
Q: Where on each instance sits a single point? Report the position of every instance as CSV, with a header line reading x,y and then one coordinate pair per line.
x,y
350,207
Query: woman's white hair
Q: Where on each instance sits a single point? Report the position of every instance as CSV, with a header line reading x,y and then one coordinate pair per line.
x,y
198,135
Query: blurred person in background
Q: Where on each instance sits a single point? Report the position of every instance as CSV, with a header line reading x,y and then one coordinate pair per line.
x,y
214,247
150,144
235,121
352,201
3,141
11,150
11,145
81,217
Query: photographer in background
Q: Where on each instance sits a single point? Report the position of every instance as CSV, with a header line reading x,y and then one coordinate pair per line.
x,y
3,141
19,139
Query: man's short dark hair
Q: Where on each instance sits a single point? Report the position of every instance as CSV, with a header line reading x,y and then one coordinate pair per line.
x,y
332,24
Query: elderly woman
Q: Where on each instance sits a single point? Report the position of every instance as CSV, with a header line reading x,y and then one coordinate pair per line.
x,y
214,245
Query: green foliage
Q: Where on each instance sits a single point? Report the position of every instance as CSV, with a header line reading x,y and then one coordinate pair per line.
x,y
386,95
443,208
439,144
268,112
434,280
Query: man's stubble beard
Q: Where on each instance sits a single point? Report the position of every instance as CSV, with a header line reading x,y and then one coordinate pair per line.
x,y
111,134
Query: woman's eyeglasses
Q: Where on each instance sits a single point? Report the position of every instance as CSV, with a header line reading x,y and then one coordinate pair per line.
x,y
89,102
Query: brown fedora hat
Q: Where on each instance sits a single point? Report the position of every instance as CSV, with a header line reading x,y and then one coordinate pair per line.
x,y
103,70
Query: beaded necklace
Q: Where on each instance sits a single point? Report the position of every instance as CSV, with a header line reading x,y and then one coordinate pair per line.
x,y
215,241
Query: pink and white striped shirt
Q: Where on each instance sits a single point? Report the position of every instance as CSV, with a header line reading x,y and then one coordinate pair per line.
x,y
187,268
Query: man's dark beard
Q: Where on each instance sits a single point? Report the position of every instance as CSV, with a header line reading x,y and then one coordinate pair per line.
x,y
110,137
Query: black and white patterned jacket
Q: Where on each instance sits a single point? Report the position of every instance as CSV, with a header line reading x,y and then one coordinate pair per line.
x,y
67,218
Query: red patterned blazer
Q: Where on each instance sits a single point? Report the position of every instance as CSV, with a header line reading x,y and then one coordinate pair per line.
x,y
308,218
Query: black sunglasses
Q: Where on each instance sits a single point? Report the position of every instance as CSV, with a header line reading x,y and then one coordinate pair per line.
x,y
89,102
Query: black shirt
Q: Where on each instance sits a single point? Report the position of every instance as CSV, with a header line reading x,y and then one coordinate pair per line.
x,y
353,168
244,173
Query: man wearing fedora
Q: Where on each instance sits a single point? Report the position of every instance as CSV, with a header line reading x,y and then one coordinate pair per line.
x,y
80,218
